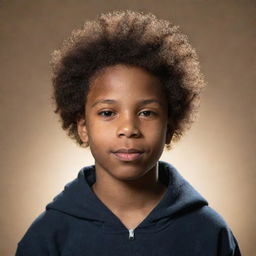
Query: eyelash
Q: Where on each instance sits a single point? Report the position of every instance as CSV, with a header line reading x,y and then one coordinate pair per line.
x,y
100,113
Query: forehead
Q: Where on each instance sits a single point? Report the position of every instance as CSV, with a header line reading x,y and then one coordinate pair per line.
x,y
125,82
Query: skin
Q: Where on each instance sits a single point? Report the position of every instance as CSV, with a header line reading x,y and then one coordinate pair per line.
x,y
129,189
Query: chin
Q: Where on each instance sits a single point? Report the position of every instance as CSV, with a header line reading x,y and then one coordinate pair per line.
x,y
127,173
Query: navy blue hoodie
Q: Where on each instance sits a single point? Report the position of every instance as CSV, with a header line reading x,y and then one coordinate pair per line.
x,y
77,223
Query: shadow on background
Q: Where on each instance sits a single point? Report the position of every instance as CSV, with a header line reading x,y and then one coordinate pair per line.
x,y
217,155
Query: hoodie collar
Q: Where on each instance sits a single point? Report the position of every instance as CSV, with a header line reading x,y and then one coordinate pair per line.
x,y
78,200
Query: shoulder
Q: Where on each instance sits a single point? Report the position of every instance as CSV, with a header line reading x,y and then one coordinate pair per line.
x,y
42,233
215,223
47,220
210,216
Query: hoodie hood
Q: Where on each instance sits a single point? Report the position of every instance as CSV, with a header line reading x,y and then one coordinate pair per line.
x,y
78,199
77,223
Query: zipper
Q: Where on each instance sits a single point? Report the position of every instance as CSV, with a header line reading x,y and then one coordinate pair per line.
x,y
131,234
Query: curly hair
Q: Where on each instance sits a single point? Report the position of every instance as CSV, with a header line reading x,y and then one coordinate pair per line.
x,y
130,38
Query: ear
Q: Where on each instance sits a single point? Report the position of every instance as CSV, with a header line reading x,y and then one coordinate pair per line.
x,y
82,130
169,134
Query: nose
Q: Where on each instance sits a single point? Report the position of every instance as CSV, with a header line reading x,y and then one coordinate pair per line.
x,y
128,128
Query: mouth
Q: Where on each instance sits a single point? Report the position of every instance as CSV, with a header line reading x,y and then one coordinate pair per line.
x,y
128,154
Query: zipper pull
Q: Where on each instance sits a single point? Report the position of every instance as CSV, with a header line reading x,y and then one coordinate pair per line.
x,y
131,234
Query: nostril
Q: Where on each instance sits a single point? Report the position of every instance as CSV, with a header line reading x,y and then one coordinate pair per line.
x,y
129,132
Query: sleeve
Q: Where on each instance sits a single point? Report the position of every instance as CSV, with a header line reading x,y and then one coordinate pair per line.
x,y
33,245
227,244
38,239
30,246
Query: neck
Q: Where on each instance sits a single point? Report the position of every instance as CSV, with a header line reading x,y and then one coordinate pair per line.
x,y
129,196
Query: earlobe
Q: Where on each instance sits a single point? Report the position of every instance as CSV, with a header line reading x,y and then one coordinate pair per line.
x,y
82,130
169,135
168,138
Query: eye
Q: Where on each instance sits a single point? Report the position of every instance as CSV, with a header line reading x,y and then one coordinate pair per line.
x,y
105,113
148,113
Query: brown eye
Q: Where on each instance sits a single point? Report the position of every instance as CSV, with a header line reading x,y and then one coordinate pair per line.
x,y
106,113
148,113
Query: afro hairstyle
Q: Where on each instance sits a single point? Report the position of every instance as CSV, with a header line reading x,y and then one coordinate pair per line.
x,y
130,38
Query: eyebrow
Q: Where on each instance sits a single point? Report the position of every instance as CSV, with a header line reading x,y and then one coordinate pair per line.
x,y
140,103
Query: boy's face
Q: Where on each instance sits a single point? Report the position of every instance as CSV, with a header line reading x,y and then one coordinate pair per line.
x,y
117,119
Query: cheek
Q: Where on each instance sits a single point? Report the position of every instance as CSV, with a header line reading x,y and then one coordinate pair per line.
x,y
100,134
158,140
155,131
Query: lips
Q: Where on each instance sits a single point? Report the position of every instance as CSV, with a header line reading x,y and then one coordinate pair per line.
x,y
130,154
128,150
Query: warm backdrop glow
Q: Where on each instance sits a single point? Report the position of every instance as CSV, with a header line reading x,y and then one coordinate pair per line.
x,y
217,156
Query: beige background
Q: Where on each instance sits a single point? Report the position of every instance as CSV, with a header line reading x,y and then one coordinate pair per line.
x,y
217,156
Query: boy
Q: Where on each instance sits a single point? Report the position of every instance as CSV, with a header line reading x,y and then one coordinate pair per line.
x,y
127,85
